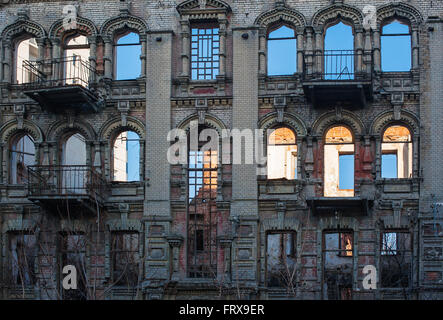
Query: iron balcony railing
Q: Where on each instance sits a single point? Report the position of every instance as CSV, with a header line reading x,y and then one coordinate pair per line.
x,y
336,65
71,70
65,182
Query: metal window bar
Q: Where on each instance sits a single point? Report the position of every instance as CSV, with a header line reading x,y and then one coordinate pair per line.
x,y
205,44
65,71
338,65
202,224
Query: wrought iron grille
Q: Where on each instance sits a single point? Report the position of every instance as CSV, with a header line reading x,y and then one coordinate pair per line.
x,y
57,72
205,44
338,64
202,214
65,181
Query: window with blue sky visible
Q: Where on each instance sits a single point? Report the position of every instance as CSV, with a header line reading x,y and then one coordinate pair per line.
x,y
339,52
395,47
127,57
282,52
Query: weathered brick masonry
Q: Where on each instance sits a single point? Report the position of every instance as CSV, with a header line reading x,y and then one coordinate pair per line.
x,y
246,208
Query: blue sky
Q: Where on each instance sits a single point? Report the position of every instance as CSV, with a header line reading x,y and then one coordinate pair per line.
x,y
133,148
128,57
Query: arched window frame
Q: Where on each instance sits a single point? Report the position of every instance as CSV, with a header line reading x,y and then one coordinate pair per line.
x,y
19,78
13,144
346,192
386,23
411,149
295,144
276,27
119,36
112,156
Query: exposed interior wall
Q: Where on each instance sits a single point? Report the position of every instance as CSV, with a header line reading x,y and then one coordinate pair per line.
x,y
404,157
331,176
120,157
22,156
282,154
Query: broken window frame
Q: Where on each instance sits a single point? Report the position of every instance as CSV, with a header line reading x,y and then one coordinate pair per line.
x,y
129,276
198,42
202,263
326,143
287,277
26,276
401,252
15,156
387,35
116,45
293,158
137,161
345,291
384,152
268,39
81,293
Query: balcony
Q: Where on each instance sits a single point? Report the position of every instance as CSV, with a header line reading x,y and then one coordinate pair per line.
x,y
348,206
61,84
337,78
77,188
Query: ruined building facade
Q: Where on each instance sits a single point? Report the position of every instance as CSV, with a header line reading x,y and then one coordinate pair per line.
x,y
355,149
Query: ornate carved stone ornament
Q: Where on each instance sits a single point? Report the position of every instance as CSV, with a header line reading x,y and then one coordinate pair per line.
x,y
84,25
281,13
12,127
387,118
198,9
291,120
337,11
123,21
399,10
57,129
113,125
23,26
330,118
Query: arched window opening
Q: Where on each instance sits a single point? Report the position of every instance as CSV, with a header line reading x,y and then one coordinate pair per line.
x,y
396,158
73,172
281,259
26,51
76,66
339,52
126,157
396,47
202,212
127,57
22,256
282,52
282,154
339,163
22,155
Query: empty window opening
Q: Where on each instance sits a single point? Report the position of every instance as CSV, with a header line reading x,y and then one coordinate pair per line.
x,y
282,154
396,161
125,258
73,159
26,50
396,259
23,254
205,45
281,259
73,252
126,157
22,155
396,47
202,213
339,52
338,265
76,66
127,57
339,163
282,52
